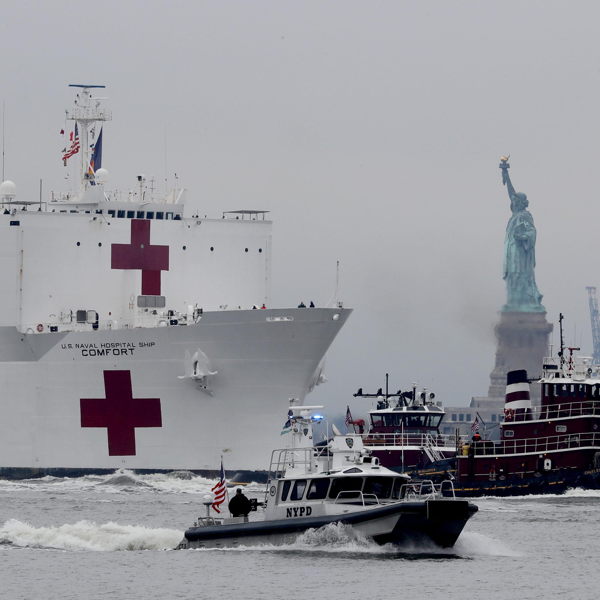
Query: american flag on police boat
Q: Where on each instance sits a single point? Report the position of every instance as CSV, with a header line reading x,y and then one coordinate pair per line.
x,y
74,148
348,420
219,490
475,424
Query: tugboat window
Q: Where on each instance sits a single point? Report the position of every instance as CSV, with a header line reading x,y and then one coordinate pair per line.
x,y
346,484
298,490
317,490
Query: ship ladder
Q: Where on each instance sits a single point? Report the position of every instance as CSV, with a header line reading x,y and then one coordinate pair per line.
x,y
431,450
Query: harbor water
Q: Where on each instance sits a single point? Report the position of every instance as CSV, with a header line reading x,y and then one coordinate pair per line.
x,y
113,537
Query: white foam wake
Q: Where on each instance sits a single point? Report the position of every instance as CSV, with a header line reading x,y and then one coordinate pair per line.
x,y
471,543
87,535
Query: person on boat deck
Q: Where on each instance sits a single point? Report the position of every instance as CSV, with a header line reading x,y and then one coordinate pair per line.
x,y
476,437
239,505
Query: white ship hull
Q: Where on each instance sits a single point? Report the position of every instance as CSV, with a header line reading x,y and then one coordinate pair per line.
x,y
125,335
262,358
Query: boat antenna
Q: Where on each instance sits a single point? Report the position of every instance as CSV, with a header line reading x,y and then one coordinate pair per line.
x,y
561,353
3,107
387,379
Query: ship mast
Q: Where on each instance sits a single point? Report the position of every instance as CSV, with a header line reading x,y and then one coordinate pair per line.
x,y
86,111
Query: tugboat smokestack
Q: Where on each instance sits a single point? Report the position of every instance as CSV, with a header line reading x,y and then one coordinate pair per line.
x,y
517,405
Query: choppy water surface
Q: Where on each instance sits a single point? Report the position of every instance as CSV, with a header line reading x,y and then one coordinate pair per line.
x,y
112,537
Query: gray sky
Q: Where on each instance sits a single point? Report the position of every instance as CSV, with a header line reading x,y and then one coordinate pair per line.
x,y
371,130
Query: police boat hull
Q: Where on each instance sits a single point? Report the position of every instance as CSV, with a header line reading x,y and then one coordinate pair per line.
x,y
437,522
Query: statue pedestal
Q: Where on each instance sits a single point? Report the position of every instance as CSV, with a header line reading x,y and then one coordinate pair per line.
x,y
522,343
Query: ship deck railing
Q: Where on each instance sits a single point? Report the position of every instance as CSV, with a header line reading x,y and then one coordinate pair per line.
x,y
439,441
540,445
569,407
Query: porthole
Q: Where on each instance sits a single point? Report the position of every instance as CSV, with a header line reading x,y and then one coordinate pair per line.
x,y
246,250
259,250
79,243
99,244
184,247
212,249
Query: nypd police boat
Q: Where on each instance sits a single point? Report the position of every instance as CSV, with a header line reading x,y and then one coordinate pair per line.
x,y
311,486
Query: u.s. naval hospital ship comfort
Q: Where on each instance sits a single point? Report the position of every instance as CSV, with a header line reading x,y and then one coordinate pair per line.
x,y
128,337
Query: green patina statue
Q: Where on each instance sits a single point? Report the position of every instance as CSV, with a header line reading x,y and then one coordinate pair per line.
x,y
522,294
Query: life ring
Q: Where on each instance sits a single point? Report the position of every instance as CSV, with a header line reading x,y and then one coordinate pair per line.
x,y
40,328
509,413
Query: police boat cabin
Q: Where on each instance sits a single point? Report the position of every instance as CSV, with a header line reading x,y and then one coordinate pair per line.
x,y
311,486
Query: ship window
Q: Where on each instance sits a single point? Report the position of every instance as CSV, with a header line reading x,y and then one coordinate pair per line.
x,y
149,215
92,316
151,301
130,214
377,420
298,491
345,484
461,417
140,214
285,488
493,417
317,489
111,213
380,486
82,316
561,429
212,248
260,250
398,491
99,211
454,416
169,216
160,215
245,249
121,214
509,433
177,218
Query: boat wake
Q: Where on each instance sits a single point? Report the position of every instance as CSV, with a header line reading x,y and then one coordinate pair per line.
x,y
343,540
87,535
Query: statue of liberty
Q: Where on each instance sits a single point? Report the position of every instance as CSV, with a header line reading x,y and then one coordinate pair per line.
x,y
522,294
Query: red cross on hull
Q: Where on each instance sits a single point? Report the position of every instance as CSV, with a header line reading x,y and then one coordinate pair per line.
x,y
120,413
140,254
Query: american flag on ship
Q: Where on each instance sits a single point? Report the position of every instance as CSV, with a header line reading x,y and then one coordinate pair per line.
x,y
475,424
74,147
219,490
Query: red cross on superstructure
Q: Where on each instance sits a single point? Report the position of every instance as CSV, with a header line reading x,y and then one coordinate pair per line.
x,y
140,254
120,413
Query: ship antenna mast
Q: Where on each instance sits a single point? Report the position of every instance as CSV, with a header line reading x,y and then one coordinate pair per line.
x,y
86,111
561,353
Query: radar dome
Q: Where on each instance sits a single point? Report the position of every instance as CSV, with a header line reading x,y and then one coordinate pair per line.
x,y
8,189
101,175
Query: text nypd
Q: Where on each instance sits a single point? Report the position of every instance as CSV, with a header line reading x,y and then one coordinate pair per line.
x,y
108,348
298,511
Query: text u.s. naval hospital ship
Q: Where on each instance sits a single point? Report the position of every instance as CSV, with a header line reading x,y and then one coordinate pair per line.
x,y
128,337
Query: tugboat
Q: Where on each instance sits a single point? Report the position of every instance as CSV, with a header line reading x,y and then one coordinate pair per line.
x,y
338,482
404,430
545,449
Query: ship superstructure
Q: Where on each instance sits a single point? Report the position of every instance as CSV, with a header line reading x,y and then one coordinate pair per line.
x,y
132,335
